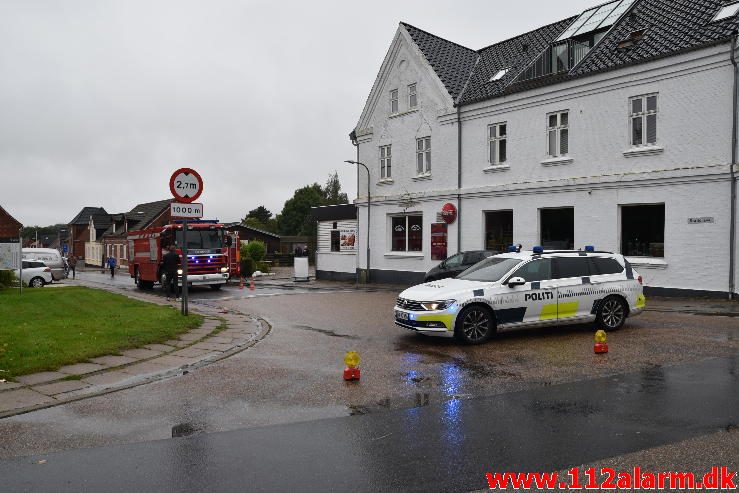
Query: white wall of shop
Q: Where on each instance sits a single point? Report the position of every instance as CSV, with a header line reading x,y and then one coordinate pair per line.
x,y
326,260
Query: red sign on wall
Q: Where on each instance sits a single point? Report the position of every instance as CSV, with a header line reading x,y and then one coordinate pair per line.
x,y
449,213
438,241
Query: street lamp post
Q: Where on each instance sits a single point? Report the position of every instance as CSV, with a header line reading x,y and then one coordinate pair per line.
x,y
369,210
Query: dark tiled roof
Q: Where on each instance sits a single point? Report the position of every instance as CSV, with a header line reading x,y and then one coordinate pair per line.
x,y
141,216
514,54
242,226
99,216
453,63
672,26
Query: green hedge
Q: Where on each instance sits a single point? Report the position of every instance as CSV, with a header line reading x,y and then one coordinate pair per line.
x,y
7,278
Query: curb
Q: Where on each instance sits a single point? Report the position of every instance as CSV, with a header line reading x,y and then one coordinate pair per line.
x,y
264,329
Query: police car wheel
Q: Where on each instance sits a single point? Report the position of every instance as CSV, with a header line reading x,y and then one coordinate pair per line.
x,y
612,313
475,325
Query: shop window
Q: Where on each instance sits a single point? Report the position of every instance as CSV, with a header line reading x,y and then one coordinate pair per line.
x,y
407,233
498,230
643,230
558,228
335,240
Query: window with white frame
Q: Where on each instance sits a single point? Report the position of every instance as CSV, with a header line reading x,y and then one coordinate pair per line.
x,y
393,101
386,164
643,120
412,96
497,143
406,233
423,155
558,134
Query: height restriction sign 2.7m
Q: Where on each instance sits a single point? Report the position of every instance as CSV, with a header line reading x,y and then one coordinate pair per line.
x,y
186,185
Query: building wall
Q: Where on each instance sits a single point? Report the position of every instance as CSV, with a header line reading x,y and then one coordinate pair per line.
x,y
688,170
334,265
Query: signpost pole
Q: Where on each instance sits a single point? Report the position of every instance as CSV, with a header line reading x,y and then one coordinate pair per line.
x,y
20,261
184,267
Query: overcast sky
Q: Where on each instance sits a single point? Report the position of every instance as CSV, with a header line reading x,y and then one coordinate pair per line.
x,y
101,100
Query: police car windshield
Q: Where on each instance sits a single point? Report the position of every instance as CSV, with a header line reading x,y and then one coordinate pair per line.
x,y
489,270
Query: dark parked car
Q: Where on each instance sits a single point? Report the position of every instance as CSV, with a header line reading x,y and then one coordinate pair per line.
x,y
457,263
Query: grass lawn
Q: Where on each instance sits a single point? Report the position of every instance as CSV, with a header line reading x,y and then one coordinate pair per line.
x,y
47,328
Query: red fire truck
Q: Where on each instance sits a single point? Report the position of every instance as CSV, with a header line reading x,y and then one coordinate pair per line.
x,y
211,251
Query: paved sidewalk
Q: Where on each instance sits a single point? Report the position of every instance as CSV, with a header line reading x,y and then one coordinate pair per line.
x,y
223,334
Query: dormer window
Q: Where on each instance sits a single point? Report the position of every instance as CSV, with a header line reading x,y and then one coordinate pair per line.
x,y
727,11
577,40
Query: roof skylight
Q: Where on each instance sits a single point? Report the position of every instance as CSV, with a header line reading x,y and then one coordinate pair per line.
x,y
597,18
727,11
499,74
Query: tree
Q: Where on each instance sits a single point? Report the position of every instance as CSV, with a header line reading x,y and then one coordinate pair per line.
x,y
332,191
295,217
261,218
261,214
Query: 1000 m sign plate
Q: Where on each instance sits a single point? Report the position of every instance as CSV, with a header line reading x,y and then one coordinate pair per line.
x,y
186,211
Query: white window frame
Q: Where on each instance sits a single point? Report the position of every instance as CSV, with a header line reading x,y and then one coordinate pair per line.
x,y
494,141
644,115
423,156
407,232
558,130
412,96
394,108
386,164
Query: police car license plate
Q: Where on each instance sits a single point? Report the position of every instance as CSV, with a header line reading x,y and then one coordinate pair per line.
x,y
400,315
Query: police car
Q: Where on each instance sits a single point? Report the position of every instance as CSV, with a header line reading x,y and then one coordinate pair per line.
x,y
525,289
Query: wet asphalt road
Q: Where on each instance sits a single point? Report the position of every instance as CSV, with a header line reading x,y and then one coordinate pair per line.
x,y
444,447
294,375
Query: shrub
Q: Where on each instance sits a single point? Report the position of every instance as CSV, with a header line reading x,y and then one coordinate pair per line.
x,y
256,250
7,278
247,266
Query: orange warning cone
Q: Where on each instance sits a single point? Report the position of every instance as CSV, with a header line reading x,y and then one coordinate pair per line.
x,y
251,284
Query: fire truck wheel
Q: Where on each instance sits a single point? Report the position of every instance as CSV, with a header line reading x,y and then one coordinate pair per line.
x,y
215,287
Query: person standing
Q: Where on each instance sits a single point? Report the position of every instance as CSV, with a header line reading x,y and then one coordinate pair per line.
x,y
72,262
111,263
170,263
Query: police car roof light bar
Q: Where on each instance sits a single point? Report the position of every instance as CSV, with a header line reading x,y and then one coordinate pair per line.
x,y
589,248
538,249
512,249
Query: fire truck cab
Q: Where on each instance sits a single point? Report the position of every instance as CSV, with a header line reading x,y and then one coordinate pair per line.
x,y
208,246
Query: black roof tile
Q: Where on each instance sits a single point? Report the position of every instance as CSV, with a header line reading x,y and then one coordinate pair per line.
x,y
671,27
453,63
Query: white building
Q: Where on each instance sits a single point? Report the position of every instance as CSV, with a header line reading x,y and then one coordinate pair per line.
x,y
613,128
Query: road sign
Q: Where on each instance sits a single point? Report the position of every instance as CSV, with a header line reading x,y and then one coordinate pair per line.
x,y
186,211
186,185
